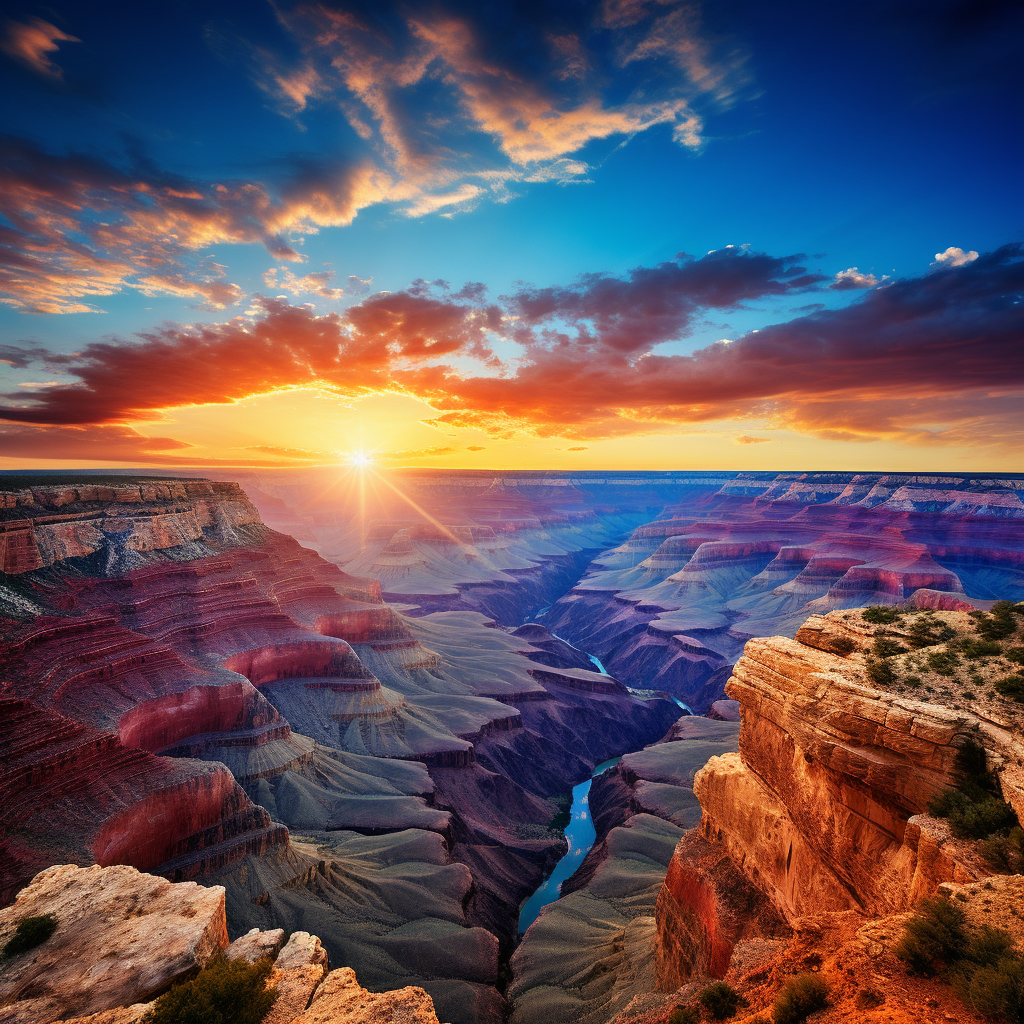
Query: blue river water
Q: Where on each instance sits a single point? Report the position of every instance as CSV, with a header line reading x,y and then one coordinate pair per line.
x,y
580,834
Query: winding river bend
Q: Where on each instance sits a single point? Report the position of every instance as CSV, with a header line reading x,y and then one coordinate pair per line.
x,y
580,834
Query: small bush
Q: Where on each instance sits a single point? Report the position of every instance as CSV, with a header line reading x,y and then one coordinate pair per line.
x,y
31,932
943,662
799,998
1012,687
884,647
934,937
844,645
721,1000
1015,654
975,808
881,673
685,1015
998,624
975,649
998,990
927,632
224,992
881,615
1005,852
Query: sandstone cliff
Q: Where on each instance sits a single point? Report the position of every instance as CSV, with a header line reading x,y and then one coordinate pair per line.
x,y
821,816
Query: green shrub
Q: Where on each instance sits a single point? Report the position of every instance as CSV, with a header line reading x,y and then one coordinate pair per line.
x,y
881,615
998,624
974,649
975,808
881,673
799,998
1012,687
224,992
1005,852
31,932
998,990
560,822
885,647
926,631
721,1000
1015,654
935,936
943,662
685,1015
844,645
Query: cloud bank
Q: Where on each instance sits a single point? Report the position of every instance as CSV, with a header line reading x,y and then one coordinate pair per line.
x,y
927,360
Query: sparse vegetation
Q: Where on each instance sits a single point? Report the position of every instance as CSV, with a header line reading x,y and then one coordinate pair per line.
x,y
983,966
999,623
685,1015
721,1000
975,649
885,647
976,810
224,992
844,645
881,615
934,937
1015,654
799,998
881,673
1012,687
943,662
560,822
927,631
31,932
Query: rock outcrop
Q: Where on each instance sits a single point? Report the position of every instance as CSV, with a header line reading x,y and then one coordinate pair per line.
x,y
823,810
124,937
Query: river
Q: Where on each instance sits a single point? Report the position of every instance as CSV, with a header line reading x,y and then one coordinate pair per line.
x,y
580,834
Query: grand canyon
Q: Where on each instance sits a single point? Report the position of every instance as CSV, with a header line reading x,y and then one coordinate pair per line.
x,y
511,512
362,720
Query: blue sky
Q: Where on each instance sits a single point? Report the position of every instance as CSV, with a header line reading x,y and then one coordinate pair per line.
x,y
511,145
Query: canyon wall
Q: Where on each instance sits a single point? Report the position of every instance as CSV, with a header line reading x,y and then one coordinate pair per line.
x,y
674,605
189,692
822,813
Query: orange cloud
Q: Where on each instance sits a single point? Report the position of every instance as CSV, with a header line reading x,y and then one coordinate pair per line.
x,y
31,42
81,228
924,360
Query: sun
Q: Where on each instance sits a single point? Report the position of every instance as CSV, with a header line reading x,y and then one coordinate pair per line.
x,y
360,459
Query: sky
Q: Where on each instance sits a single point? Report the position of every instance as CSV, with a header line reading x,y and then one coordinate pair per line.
x,y
634,234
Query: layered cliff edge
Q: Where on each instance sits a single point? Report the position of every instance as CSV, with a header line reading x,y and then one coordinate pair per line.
x,y
815,842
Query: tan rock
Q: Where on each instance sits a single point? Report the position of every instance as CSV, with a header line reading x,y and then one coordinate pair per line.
x,y
122,938
299,969
256,944
133,1014
342,1000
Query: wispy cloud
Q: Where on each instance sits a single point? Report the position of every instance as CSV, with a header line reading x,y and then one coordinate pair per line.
x,y
32,42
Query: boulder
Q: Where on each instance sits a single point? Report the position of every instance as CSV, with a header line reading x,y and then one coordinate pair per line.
x,y
122,937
